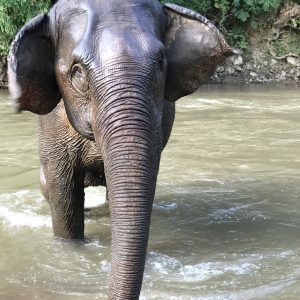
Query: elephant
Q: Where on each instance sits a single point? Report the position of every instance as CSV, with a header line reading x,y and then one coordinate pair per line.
x,y
104,76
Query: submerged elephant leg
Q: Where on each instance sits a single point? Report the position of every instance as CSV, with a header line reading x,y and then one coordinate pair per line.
x,y
43,184
66,201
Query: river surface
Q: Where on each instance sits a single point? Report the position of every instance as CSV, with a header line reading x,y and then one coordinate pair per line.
x,y
226,217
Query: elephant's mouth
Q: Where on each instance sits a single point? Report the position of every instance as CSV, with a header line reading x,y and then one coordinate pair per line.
x,y
83,128
82,124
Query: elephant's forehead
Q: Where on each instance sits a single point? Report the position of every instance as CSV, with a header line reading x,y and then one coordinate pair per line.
x,y
107,29
136,11
128,41
111,24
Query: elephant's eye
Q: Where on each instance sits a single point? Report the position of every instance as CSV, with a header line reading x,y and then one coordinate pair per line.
x,y
78,78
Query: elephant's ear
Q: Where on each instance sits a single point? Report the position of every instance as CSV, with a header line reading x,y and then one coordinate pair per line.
x,y
194,48
31,76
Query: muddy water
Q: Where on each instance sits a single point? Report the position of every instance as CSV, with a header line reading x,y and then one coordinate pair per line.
x,y
226,219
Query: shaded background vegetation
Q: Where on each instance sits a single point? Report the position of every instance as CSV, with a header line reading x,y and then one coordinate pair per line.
x,y
13,15
234,18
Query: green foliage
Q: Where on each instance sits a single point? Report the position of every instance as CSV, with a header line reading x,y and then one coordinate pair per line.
x,y
13,15
296,22
245,10
294,44
279,48
237,37
223,7
289,44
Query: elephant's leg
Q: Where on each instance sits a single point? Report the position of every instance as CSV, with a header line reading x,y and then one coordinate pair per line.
x,y
43,184
66,200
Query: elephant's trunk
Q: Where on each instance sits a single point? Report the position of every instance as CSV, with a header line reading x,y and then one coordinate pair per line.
x,y
129,144
129,172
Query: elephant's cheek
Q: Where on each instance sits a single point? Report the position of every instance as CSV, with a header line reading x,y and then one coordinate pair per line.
x,y
79,113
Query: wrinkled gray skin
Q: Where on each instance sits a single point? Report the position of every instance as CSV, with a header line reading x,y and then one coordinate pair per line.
x,y
119,66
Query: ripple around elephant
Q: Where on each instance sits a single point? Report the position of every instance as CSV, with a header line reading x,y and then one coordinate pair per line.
x,y
104,76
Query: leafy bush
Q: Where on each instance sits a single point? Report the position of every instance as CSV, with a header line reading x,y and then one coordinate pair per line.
x,y
287,45
13,15
251,9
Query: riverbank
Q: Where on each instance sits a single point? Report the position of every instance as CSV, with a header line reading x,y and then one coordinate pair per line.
x,y
238,70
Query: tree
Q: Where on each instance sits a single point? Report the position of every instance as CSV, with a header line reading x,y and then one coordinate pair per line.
x,y
13,15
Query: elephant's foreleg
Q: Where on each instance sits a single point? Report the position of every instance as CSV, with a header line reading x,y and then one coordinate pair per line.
x,y
66,200
43,184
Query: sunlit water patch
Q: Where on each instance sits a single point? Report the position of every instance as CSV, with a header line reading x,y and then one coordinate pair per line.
x,y
226,216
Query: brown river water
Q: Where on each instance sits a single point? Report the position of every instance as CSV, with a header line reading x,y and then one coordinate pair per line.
x,y
226,217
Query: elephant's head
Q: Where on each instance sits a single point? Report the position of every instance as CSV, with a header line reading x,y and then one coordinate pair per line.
x,y
115,63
